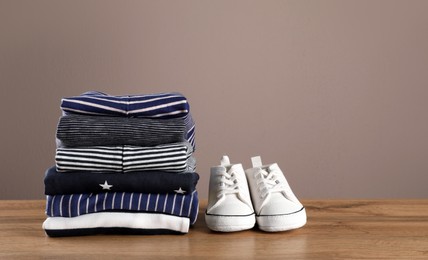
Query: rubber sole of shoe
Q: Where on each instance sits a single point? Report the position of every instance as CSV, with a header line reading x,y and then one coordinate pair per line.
x,y
223,223
276,223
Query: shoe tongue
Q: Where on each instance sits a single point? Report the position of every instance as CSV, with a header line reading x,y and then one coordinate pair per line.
x,y
225,160
256,161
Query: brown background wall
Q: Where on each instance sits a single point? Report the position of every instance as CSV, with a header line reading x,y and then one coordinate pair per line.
x,y
334,91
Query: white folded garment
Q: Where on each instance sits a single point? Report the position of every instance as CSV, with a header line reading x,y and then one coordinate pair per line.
x,y
64,226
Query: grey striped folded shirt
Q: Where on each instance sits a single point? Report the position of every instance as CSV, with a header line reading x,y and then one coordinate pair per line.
x,y
84,130
175,157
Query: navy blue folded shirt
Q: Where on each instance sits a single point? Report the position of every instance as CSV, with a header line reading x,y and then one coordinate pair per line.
x,y
73,182
160,105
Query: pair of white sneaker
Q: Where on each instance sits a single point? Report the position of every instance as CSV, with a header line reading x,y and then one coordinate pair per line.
x,y
272,203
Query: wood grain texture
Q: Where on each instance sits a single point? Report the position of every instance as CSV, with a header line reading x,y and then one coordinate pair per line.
x,y
336,229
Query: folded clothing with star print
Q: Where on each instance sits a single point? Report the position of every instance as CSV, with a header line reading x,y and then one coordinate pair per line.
x,y
84,130
159,106
116,223
176,157
75,182
73,205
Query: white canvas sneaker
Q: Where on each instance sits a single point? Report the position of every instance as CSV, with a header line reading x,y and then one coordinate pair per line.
x,y
229,202
276,206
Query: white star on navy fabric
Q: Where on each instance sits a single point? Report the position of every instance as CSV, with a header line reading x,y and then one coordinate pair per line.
x,y
180,191
106,186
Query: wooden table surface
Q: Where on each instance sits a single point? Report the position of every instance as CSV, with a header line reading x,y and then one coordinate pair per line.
x,y
336,229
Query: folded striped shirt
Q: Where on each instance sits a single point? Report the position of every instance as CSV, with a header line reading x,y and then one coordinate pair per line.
x,y
74,205
116,223
74,182
174,157
162,105
83,130
190,129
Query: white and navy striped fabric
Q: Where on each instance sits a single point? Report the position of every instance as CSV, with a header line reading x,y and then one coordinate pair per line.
x,y
82,130
190,130
159,106
74,205
169,157
162,105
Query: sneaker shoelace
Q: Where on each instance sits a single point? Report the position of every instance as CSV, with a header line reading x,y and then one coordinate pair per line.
x,y
228,184
268,182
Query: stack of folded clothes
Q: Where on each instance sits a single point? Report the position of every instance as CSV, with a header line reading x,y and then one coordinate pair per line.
x,y
124,165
